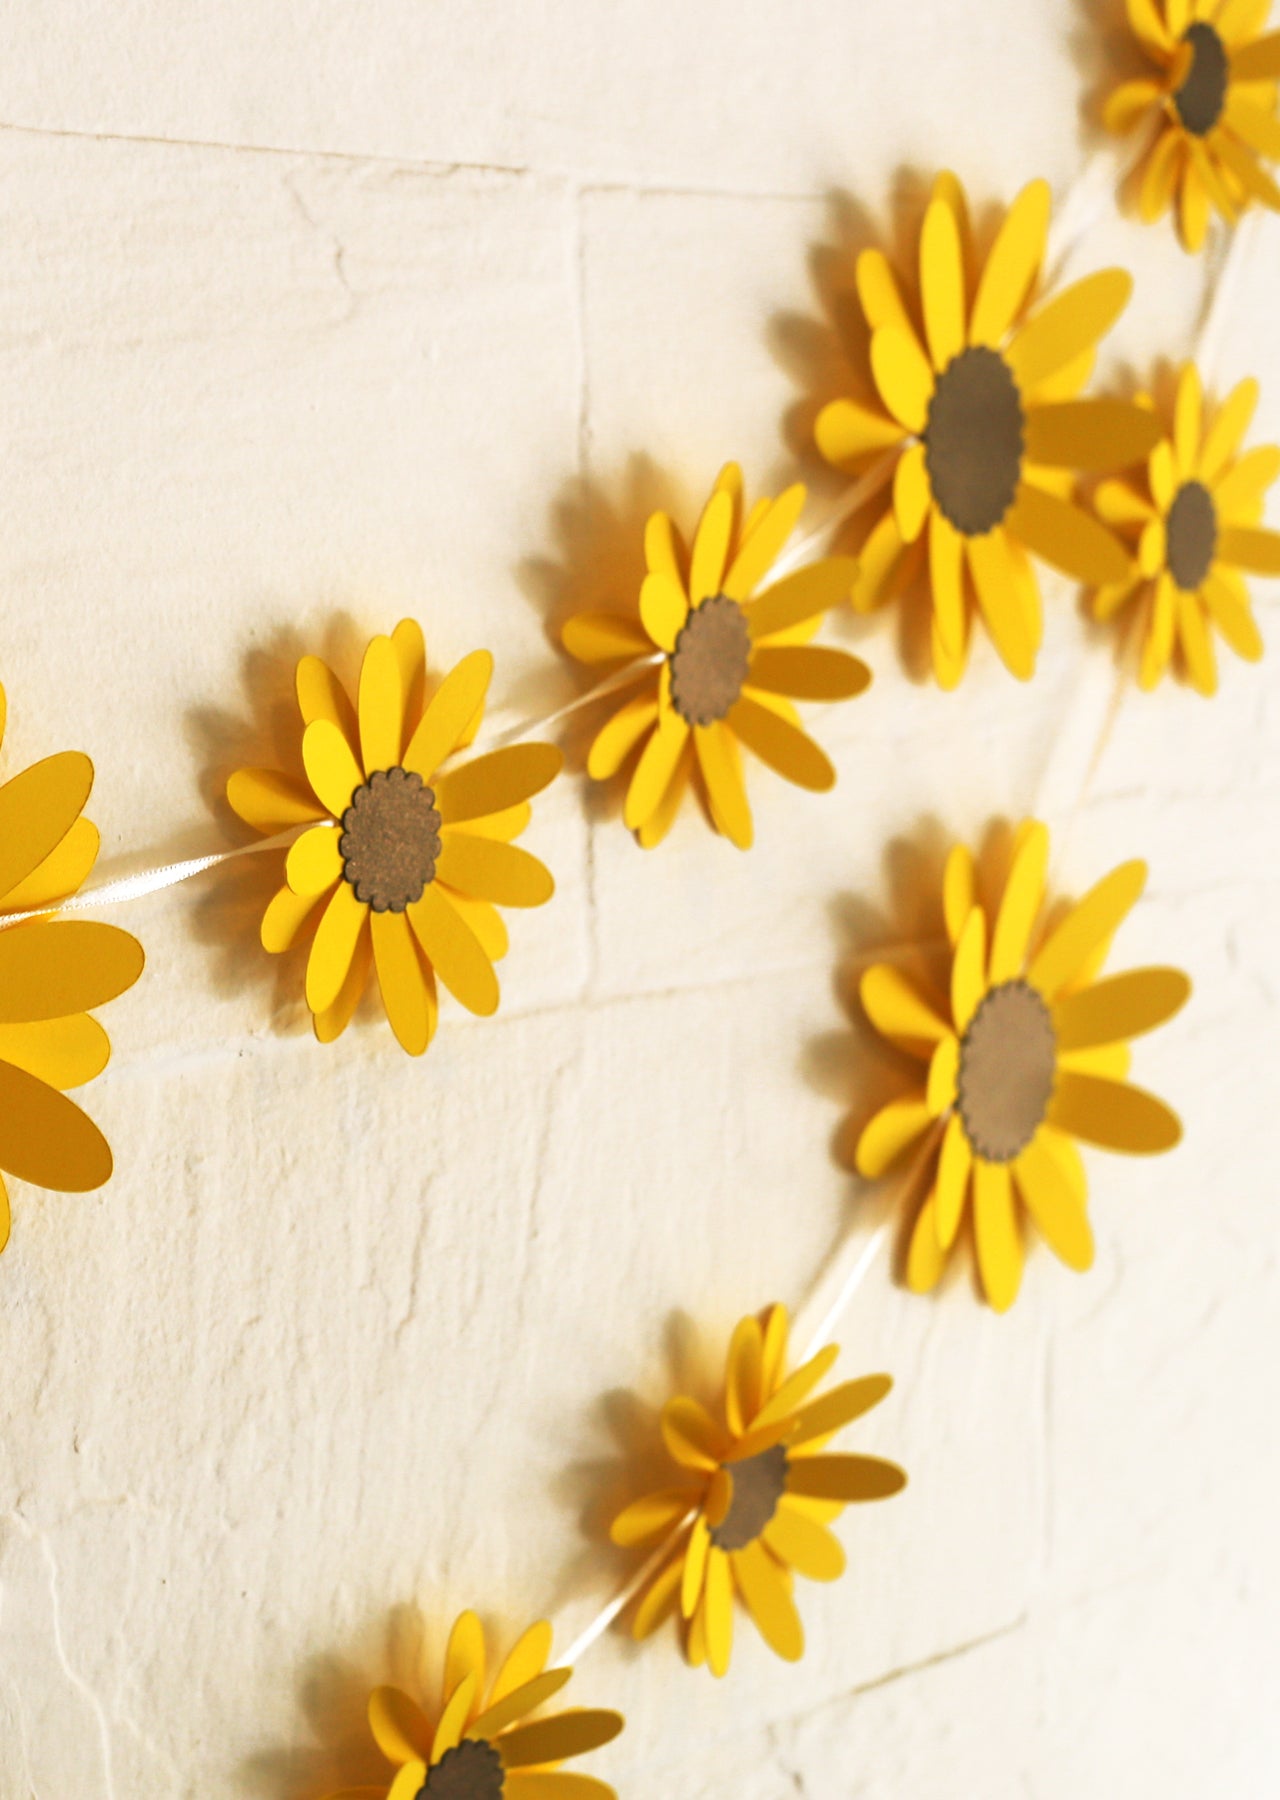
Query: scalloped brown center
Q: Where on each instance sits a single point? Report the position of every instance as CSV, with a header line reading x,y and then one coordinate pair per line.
x,y
974,439
759,1482
1203,95
471,1771
1008,1059
710,661
1192,535
390,840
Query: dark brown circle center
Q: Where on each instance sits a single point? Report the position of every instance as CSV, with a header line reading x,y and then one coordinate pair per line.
x,y
1008,1060
1203,95
390,840
974,440
471,1771
1192,535
710,661
759,1482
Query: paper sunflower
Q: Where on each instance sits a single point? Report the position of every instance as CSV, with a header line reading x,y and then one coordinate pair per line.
x,y
1029,1053
1194,520
51,972
487,1749
1211,104
724,654
978,402
756,1496
403,867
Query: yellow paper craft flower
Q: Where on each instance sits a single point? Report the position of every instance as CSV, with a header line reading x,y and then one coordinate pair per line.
x,y
756,1496
403,868
978,404
727,653
488,1748
1194,519
1212,105
51,972
1028,1053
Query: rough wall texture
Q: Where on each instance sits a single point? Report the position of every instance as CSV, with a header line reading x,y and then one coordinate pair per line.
x,y
312,315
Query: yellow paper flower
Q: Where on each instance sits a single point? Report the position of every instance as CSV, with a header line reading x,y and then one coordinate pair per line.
x,y
51,972
403,868
756,1495
727,654
1194,519
1029,1052
488,1748
979,405
1212,104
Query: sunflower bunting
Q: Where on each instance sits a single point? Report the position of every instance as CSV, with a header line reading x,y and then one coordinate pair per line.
x,y
756,1495
403,868
1211,106
1029,1052
487,1747
1194,519
51,972
976,403
722,653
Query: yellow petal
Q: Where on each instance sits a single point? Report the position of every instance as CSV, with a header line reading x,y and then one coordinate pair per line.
x,y
660,1600
1231,614
52,967
314,861
1149,26
743,1390
882,560
1116,503
691,1435
37,810
333,1021
399,1726
1023,897
969,970
808,672
1259,129
998,599
903,376
604,638
284,918
899,1011
1239,20
1193,208
61,872
787,1396
1158,648
46,1139
695,1567
955,1164
331,766
1227,431
1258,61
942,283
1059,1214
400,981
1067,537
464,1655
710,549
946,574
408,1782
1068,326
1188,418
663,817
498,1715
453,1719
1244,485
555,1740
452,709
912,496
1113,1115
663,550
851,1400
847,1478
454,952
1160,178
270,801
664,609
889,1134
496,782
804,1545
1091,435
527,1658
1255,550
1091,922
996,1233
959,890
768,1599
333,947
805,595
322,696
411,655
1121,1008
655,769
63,1052
879,293
652,1516
847,433
763,542
1126,105
381,706
1013,265
718,1601
615,741
944,1071
500,873
723,775
786,749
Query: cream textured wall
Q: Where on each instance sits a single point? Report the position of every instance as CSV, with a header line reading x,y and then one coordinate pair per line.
x,y
314,314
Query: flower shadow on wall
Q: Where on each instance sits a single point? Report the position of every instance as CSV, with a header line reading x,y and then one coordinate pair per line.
x,y
910,934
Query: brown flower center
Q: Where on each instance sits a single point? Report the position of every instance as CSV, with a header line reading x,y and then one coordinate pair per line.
x,y
974,439
1192,535
759,1482
710,661
1203,95
1008,1060
390,840
471,1771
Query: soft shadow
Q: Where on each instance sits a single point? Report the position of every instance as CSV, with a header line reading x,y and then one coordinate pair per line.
x,y
1105,52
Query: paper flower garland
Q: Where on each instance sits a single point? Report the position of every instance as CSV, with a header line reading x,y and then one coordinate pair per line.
x,y
723,663
51,972
1214,100
981,402
492,1749
1194,520
1029,1053
403,868
758,1493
